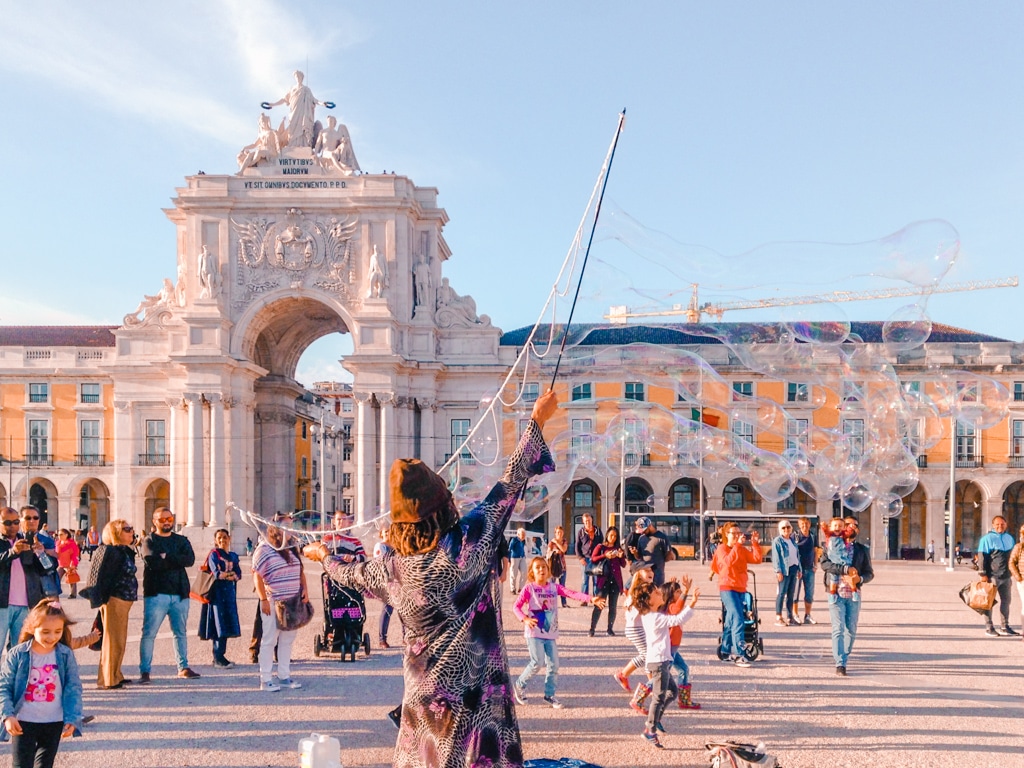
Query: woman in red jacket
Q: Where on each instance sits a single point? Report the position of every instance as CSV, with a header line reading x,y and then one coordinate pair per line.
x,y
730,563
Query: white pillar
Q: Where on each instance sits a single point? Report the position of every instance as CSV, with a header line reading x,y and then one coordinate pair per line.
x,y
218,465
195,505
387,447
364,475
175,456
428,453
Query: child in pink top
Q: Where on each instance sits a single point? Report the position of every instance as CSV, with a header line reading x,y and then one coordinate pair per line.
x,y
537,608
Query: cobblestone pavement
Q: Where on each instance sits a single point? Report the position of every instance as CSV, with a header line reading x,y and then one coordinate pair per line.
x,y
926,687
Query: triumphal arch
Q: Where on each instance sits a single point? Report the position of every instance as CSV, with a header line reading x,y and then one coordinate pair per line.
x,y
297,244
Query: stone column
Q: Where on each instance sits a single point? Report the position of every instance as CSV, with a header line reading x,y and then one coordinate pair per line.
x,y
935,527
364,442
428,453
388,439
175,457
124,504
196,505
218,465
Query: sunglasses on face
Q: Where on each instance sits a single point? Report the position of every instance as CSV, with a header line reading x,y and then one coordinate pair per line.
x,y
10,522
30,518
127,529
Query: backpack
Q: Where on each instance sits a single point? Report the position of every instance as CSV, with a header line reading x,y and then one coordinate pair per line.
x,y
729,754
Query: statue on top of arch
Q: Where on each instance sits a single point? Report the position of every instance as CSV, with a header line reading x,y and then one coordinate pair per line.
x,y
332,146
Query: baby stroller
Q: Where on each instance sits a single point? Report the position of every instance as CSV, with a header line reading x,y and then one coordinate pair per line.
x,y
752,643
344,614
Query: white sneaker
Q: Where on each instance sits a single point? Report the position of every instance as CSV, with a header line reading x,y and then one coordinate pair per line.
x,y
555,703
519,693
289,683
270,685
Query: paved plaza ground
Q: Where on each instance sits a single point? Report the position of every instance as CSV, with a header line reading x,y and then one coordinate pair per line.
x,y
926,688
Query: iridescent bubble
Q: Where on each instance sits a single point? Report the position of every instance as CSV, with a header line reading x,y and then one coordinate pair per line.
x,y
890,504
857,498
907,328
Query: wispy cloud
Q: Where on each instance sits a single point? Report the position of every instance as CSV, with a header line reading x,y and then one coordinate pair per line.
x,y
198,66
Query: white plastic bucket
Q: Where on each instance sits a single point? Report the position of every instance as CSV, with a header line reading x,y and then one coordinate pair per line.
x,y
319,751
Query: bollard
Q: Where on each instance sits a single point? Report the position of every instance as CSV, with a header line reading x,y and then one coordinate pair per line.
x,y
319,751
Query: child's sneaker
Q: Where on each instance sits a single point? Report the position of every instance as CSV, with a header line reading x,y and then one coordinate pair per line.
x,y
652,737
269,685
519,693
555,703
623,681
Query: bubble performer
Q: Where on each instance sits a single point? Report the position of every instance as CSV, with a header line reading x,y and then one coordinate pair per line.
x,y
457,709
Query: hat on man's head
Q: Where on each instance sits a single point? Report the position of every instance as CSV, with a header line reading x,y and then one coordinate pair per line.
x,y
643,523
638,565
417,492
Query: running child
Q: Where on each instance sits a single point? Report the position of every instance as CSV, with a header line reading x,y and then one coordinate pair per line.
x,y
675,593
537,608
40,689
650,602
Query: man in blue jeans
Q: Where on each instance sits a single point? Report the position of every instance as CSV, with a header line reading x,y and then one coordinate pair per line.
x,y
165,591
844,604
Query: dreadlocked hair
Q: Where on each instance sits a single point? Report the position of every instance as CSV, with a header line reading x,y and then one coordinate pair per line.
x,y
420,537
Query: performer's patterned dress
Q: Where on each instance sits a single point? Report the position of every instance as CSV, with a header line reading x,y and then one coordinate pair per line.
x,y
458,709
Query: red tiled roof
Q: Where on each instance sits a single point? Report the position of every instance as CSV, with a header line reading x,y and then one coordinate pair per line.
x,y
57,335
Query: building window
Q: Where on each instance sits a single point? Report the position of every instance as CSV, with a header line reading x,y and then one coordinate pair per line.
x,y
583,496
346,506
635,390
305,466
796,392
315,505
347,406
912,387
852,391
156,441
582,392
966,442
787,503
581,442
303,498
89,444
334,504
303,430
460,431
732,496
796,433
90,393
346,479
745,431
346,453
854,431
334,474
315,468
1018,438
39,393
38,440
742,389
682,496
531,392
1018,391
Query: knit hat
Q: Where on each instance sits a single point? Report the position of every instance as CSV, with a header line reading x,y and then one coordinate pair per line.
x,y
417,492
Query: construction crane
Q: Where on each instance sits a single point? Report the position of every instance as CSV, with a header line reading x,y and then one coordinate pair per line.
x,y
695,311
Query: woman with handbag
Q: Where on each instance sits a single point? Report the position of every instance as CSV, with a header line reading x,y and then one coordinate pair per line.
x,y
218,619
558,545
281,588
607,562
112,588
67,560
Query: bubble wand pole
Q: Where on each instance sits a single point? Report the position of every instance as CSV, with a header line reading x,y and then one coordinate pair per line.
x,y
590,242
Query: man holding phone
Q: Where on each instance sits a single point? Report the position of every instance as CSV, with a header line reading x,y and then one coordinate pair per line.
x,y
730,563
22,569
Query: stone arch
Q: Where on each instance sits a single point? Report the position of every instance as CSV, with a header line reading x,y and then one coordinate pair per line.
x,y
970,525
1013,506
739,491
42,494
157,494
90,500
274,332
909,531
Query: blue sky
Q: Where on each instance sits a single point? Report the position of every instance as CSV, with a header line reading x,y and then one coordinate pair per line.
x,y
748,124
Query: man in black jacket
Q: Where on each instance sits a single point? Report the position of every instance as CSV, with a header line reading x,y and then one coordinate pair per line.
x,y
20,559
165,591
844,604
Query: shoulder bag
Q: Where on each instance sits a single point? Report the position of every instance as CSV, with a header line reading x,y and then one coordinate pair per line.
x,y
202,584
294,612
